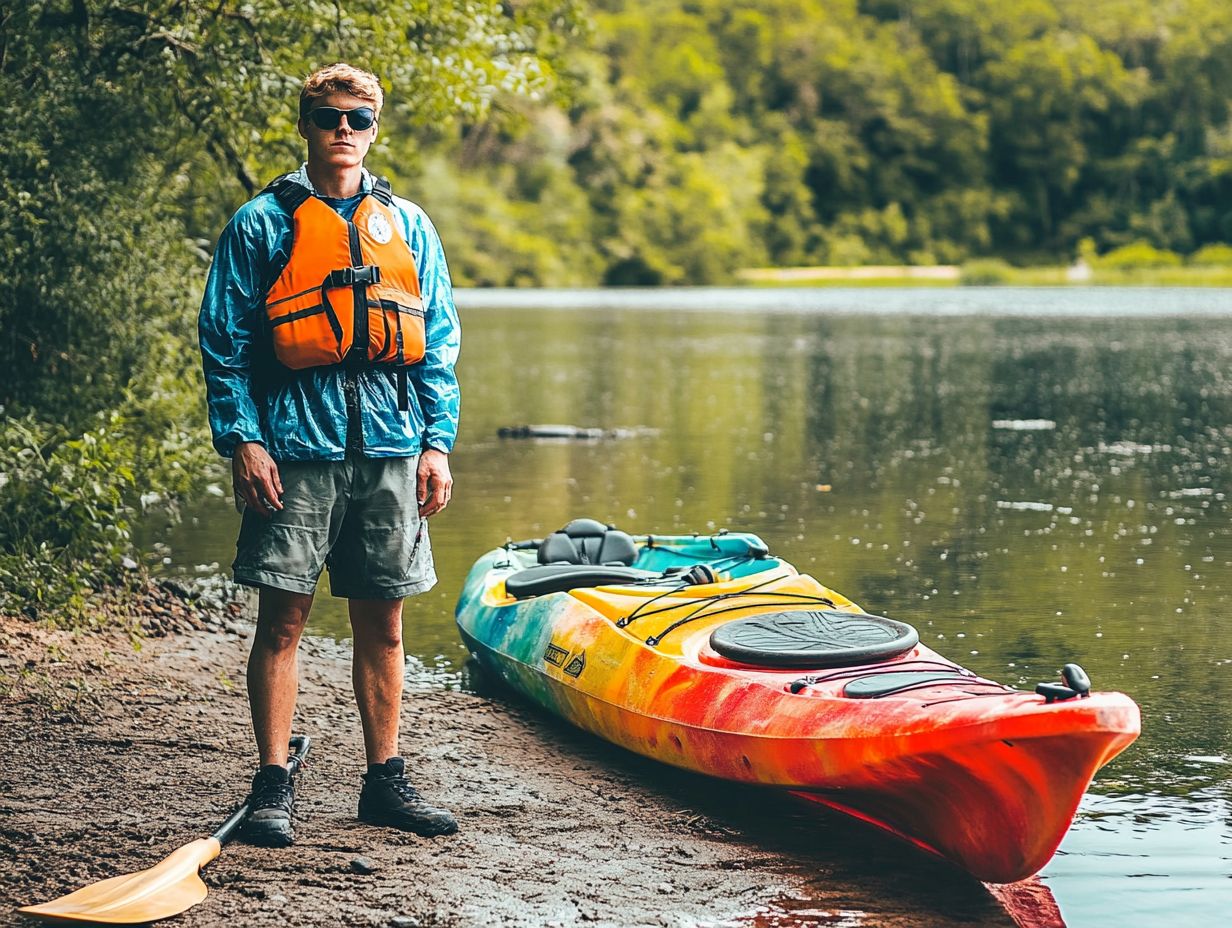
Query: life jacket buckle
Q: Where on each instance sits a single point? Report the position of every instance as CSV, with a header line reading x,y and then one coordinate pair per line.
x,y
365,274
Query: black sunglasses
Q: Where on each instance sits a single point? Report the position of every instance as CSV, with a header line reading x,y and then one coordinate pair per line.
x,y
328,117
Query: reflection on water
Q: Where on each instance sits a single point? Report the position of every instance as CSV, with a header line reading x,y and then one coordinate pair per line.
x,y
1026,488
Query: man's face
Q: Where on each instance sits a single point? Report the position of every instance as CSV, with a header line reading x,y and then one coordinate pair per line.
x,y
341,147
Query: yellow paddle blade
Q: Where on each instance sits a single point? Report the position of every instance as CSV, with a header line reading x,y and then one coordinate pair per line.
x,y
168,888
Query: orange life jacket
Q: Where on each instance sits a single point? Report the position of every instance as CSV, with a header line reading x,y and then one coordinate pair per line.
x,y
349,293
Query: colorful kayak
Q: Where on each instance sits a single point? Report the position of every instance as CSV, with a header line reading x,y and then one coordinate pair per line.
x,y
708,653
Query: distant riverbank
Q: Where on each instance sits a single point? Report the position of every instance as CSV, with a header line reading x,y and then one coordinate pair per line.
x,y
985,273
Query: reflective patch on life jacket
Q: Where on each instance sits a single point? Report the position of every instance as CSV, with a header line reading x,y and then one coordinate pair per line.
x,y
350,290
380,229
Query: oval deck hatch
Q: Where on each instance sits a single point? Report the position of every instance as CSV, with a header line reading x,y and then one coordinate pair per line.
x,y
802,638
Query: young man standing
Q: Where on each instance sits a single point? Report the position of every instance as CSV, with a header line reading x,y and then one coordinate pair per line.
x,y
329,337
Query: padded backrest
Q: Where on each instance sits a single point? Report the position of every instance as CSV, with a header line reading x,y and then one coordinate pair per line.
x,y
587,541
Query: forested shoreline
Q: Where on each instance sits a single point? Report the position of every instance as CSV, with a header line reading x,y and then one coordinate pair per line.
x,y
554,142
698,137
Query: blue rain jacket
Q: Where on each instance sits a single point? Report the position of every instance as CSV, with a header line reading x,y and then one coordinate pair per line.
x,y
301,415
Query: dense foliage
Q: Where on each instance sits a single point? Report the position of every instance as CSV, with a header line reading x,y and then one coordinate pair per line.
x,y
703,136
130,130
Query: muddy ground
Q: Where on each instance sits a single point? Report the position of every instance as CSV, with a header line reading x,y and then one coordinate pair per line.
x,y
115,755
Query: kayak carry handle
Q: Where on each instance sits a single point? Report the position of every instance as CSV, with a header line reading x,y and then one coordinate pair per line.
x,y
528,544
1076,679
1077,685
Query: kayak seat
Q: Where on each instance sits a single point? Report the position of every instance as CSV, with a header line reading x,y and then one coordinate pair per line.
x,y
560,578
588,541
800,638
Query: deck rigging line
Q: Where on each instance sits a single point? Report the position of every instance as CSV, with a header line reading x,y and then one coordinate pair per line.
x,y
641,612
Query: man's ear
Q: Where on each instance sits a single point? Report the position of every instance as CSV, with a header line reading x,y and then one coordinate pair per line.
x,y
299,127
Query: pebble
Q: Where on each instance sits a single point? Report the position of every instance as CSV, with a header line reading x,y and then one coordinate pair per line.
x,y
404,921
362,865
277,899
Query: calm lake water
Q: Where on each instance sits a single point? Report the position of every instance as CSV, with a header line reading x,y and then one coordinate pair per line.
x,y
1029,477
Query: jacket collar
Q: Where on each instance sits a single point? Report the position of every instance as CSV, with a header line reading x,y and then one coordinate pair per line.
x,y
301,177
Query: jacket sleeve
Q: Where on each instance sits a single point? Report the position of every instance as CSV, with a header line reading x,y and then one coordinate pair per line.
x,y
228,325
433,379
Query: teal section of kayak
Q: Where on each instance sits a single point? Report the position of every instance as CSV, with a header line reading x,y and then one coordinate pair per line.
x,y
510,639
736,554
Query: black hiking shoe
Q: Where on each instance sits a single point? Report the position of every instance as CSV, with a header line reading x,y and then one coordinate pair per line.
x,y
389,799
271,804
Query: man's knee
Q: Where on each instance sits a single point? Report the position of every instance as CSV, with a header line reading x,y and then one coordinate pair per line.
x,y
281,618
377,623
279,635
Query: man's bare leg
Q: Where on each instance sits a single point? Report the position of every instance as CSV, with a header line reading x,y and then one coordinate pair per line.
x,y
388,798
273,670
376,672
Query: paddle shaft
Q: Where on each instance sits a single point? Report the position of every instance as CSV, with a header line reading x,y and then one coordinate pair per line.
x,y
299,750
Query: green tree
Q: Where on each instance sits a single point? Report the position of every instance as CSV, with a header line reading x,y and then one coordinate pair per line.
x,y
135,128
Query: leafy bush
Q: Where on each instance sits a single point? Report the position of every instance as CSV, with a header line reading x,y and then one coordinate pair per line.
x,y
1137,255
62,503
985,272
1217,255
67,501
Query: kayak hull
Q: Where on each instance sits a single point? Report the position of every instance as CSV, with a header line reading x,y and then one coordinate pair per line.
x,y
984,776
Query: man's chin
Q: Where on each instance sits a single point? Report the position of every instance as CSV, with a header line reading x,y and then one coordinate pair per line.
x,y
341,158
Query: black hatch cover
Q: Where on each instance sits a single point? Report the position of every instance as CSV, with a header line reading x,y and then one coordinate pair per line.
x,y
877,685
802,638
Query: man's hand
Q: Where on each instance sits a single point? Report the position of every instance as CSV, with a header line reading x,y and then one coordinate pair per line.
x,y
256,478
434,483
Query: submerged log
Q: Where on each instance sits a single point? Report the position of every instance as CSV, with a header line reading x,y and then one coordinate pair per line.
x,y
571,432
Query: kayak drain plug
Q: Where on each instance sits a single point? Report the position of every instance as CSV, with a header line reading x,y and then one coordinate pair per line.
x,y
1077,683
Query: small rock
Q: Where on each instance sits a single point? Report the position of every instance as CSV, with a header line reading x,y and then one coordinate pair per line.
x,y
404,921
179,589
665,888
277,899
362,865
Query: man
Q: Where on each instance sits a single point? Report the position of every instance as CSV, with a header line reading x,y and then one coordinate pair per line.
x,y
329,337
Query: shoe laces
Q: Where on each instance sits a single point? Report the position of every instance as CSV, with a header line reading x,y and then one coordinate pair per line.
x,y
402,786
272,796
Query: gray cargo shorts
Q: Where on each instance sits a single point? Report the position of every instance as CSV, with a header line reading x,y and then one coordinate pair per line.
x,y
359,516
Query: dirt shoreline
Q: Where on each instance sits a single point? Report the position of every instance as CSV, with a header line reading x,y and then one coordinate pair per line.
x,y
114,757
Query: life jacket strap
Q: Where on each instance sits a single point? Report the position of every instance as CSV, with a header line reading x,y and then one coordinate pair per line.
x,y
404,397
383,192
288,193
